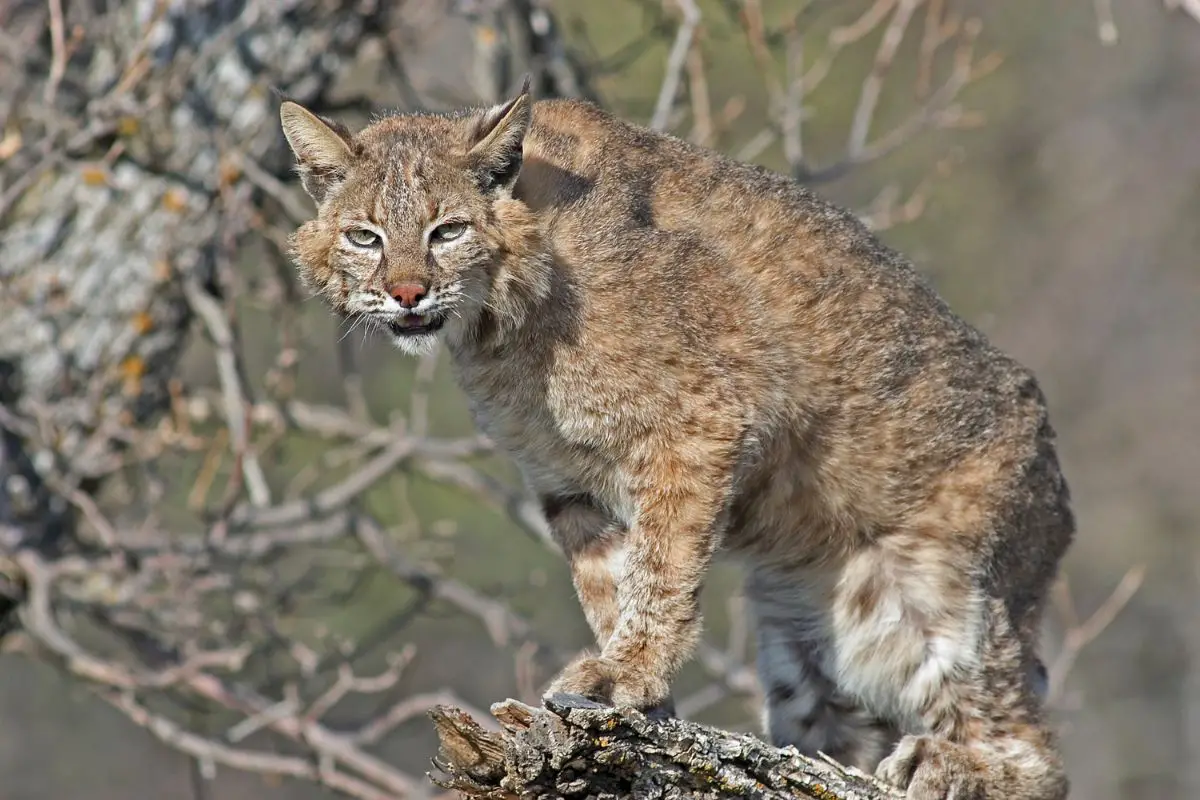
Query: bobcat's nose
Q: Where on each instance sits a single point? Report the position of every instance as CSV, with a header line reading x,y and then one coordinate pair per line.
x,y
408,294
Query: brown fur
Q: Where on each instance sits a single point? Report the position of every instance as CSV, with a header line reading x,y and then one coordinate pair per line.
x,y
685,353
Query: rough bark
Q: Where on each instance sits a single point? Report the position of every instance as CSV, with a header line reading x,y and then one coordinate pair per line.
x,y
127,135
577,748
135,130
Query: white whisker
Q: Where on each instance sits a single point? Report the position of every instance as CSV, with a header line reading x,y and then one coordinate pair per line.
x,y
355,321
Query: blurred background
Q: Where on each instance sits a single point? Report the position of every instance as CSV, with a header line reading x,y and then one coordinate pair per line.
x,y
245,545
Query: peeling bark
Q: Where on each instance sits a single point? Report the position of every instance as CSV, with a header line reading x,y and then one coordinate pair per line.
x,y
577,748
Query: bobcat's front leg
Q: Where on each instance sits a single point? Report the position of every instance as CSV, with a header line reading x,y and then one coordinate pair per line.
x,y
593,544
678,492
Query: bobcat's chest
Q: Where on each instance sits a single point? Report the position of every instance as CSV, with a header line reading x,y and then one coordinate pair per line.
x,y
560,443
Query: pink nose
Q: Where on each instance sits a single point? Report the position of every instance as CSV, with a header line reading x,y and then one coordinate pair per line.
x,y
408,294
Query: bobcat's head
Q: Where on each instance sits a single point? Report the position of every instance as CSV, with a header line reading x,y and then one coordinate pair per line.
x,y
417,230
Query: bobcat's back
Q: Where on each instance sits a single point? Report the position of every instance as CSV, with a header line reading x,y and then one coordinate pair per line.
x,y
690,268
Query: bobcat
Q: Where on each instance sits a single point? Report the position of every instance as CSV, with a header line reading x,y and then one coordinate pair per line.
x,y
685,353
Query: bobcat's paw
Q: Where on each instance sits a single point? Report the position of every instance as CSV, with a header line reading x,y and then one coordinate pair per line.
x,y
608,682
928,768
587,676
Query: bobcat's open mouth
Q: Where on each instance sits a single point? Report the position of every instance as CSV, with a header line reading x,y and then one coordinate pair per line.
x,y
415,325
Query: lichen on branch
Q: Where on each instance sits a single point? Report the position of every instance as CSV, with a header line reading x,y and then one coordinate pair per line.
x,y
577,748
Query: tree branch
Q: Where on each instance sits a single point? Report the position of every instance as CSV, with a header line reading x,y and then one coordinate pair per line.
x,y
577,748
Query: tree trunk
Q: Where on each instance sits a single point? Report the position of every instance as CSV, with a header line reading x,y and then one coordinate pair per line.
x,y
128,130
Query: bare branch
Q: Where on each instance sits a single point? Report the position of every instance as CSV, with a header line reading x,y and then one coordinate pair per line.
x,y
236,404
1080,634
575,746
868,97
676,61
409,708
58,62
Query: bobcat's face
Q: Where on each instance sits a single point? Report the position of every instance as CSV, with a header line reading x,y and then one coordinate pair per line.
x,y
396,250
416,231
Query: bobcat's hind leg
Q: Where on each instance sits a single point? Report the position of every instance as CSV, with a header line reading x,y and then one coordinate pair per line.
x,y
804,708
984,736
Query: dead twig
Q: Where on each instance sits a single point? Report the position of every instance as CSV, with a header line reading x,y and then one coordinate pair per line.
x,y
236,404
58,47
868,96
676,61
1080,634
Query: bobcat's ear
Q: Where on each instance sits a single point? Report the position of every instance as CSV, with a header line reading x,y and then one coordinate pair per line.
x,y
322,148
496,153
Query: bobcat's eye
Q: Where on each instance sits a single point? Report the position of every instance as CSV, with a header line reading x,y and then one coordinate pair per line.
x,y
447,232
361,237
